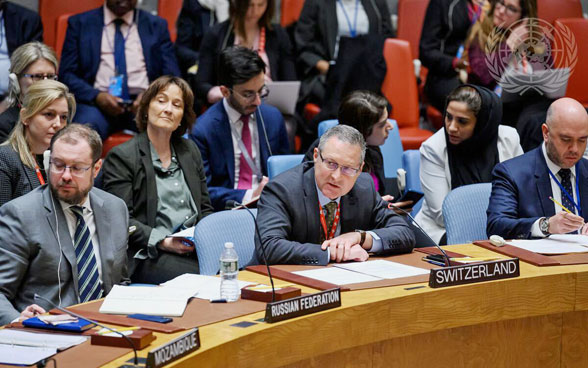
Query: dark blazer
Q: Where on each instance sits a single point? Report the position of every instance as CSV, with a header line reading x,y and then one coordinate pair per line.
x,y
16,178
317,28
193,23
289,223
22,25
277,47
212,134
8,120
129,174
80,57
521,188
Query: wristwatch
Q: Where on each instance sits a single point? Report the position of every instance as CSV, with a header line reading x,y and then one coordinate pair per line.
x,y
544,225
362,233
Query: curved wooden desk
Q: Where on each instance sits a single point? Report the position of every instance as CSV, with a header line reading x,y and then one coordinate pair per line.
x,y
537,320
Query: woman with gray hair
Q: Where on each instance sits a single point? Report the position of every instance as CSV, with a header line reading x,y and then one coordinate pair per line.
x,y
47,107
31,62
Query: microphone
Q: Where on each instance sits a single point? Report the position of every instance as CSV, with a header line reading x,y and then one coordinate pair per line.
x,y
393,206
135,362
231,204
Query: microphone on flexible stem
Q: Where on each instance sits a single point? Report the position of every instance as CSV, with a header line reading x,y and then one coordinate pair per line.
x,y
39,297
231,204
393,206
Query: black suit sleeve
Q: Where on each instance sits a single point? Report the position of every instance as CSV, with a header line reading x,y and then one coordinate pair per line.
x,y
430,45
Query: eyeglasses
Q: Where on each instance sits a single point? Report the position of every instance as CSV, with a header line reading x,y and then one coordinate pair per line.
x,y
332,166
59,167
249,96
511,10
38,77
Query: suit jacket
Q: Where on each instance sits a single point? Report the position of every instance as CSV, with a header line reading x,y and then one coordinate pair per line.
x,y
212,134
521,188
316,29
22,25
277,47
128,173
193,23
36,245
16,178
8,120
289,223
80,57
436,176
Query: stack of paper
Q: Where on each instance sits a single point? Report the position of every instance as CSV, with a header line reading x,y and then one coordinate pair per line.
x,y
202,286
157,301
26,348
555,244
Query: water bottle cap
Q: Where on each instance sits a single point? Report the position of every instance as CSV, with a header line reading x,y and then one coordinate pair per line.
x,y
228,245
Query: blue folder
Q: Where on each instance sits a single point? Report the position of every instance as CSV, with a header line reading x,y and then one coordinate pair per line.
x,y
79,326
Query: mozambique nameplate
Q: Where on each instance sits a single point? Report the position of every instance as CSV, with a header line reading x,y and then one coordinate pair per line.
x,y
475,272
174,349
302,305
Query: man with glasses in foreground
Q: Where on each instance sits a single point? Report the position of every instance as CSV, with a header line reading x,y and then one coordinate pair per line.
x,y
65,241
238,134
328,211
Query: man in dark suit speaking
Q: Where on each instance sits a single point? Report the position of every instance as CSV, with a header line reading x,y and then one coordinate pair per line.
x,y
329,210
66,241
520,204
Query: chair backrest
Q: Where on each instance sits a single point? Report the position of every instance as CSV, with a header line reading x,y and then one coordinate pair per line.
x,y
400,86
392,151
578,82
50,10
60,33
464,213
411,14
170,10
213,231
290,11
280,163
550,10
411,163
325,125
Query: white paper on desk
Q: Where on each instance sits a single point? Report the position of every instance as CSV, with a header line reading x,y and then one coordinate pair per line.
x,y
208,287
44,340
384,269
555,244
155,301
337,276
24,355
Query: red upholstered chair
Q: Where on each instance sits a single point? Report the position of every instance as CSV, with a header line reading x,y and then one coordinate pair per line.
x,y
578,82
290,11
169,10
50,10
400,88
550,10
113,141
60,33
411,14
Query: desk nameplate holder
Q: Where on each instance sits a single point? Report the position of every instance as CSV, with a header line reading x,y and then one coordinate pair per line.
x,y
474,272
174,350
302,305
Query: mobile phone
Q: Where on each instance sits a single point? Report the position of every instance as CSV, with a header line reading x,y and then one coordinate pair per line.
x,y
146,317
411,195
126,103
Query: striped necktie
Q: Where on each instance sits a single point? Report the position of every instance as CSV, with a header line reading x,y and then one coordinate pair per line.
x,y
89,284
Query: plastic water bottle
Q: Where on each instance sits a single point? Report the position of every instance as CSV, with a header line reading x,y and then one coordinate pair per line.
x,y
229,269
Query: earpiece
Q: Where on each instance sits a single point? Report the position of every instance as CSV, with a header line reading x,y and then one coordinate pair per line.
x,y
13,82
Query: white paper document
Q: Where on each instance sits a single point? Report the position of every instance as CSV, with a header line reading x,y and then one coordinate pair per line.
x,y
337,276
208,287
23,355
156,301
44,340
555,244
384,269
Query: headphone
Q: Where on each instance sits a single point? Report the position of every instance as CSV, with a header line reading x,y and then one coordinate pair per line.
x,y
14,85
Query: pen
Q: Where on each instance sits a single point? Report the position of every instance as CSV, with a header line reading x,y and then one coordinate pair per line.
x,y
118,330
433,262
559,204
218,301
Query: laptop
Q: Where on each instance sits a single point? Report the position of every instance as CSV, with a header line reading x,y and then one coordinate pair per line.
x,y
283,95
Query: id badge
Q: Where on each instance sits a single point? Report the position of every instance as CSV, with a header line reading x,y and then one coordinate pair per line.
x,y
115,85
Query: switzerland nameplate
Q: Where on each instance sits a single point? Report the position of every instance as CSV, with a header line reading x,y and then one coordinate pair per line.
x,y
174,349
302,305
475,272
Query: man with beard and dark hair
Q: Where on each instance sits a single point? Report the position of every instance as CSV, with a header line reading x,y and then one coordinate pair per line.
x,y
65,240
522,188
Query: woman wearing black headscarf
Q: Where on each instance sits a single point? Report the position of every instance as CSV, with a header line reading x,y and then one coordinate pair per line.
x,y
464,151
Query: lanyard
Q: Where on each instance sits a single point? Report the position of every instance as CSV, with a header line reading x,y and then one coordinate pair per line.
x,y
565,192
352,29
39,175
111,44
331,234
261,45
256,170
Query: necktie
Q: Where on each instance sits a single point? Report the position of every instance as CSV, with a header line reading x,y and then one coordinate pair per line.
x,y
330,211
565,175
120,60
89,284
245,172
